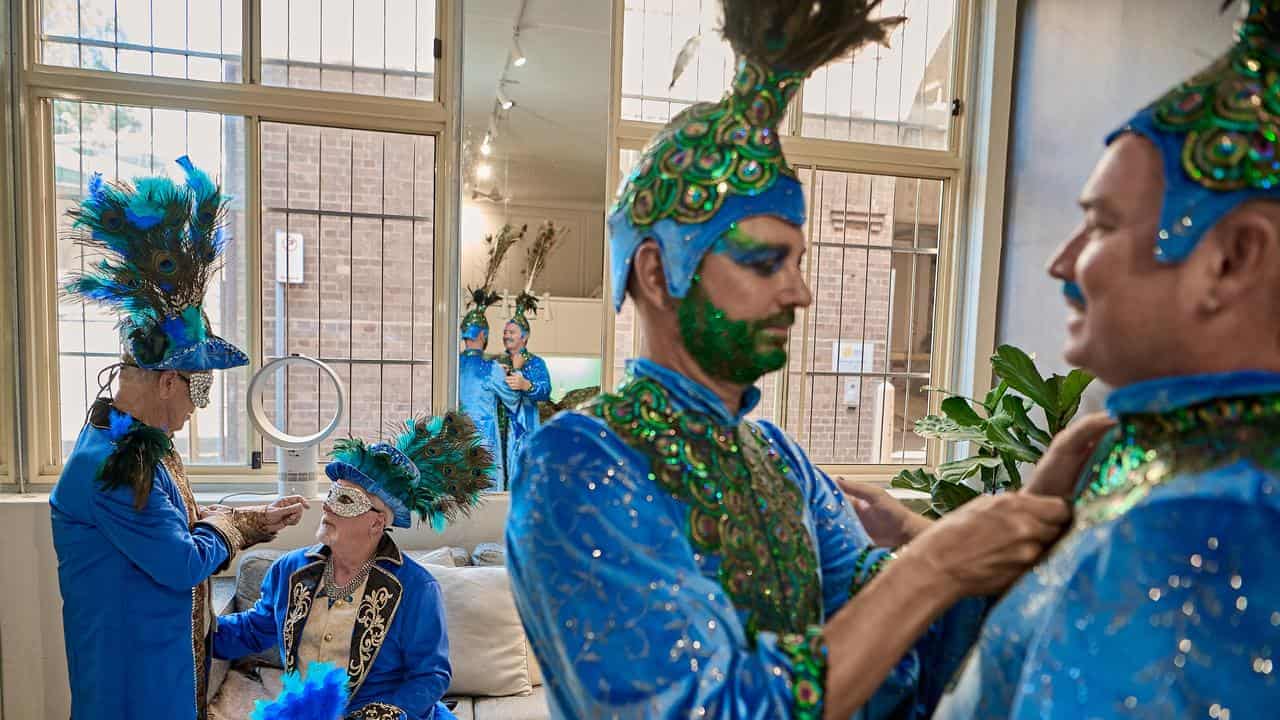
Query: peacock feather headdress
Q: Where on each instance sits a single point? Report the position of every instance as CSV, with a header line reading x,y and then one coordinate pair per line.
x,y
475,321
434,467
160,243
547,240
718,163
1218,134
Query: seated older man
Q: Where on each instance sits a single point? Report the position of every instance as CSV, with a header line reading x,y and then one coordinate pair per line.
x,y
354,600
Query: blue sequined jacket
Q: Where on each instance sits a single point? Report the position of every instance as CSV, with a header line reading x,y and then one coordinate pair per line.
x,y
522,407
399,665
671,560
1163,602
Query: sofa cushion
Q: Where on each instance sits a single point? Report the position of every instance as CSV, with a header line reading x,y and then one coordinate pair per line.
x,y
253,567
519,707
487,645
442,556
489,554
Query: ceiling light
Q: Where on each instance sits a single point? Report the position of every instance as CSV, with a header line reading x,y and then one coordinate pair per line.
x,y
484,171
505,102
486,146
517,55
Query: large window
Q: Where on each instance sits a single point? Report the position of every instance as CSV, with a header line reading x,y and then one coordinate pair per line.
x,y
863,358
333,230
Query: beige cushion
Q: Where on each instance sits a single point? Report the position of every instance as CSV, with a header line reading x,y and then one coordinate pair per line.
x,y
489,554
443,556
520,707
487,646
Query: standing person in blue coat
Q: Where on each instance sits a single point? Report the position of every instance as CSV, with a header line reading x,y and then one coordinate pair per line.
x,y
135,551
355,600
1164,599
527,379
482,382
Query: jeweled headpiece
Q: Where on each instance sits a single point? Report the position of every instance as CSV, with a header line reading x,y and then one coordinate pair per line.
x,y
475,321
161,243
716,164
1218,134
548,238
435,467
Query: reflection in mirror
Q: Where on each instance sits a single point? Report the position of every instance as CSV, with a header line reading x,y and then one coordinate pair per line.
x,y
533,165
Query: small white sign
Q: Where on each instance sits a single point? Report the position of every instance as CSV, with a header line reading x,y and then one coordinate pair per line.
x,y
848,356
289,264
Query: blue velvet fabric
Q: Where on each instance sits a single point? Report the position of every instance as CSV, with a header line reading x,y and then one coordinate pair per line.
x,y
629,621
683,246
479,383
522,409
410,669
126,577
1170,610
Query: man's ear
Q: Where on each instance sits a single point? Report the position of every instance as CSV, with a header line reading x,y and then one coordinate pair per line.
x,y
648,280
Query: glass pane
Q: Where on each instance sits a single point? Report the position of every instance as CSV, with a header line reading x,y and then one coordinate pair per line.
x,y
371,47
171,38
859,367
126,143
899,95
654,32
348,233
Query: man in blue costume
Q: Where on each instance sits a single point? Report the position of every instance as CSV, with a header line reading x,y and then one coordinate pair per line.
x,y
1164,600
482,382
134,549
527,379
671,559
355,600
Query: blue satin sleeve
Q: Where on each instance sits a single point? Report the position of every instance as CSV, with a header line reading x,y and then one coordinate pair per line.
x,y
619,615
536,372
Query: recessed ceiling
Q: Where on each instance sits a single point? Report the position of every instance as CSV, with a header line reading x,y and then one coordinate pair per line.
x,y
551,147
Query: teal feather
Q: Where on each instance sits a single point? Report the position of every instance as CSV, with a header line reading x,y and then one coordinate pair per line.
x,y
132,463
453,466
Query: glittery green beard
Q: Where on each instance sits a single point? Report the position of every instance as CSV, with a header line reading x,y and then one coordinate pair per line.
x,y
739,351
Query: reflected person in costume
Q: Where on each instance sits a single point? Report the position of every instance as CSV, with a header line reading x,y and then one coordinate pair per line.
x,y
481,382
354,600
671,559
527,379
1164,600
135,551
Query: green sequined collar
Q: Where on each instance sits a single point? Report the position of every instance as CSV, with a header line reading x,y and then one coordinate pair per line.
x,y
1150,449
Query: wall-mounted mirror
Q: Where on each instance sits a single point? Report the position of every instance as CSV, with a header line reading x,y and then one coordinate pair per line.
x,y
535,124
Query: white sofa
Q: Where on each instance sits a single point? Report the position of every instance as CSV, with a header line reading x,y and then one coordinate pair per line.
x,y
495,676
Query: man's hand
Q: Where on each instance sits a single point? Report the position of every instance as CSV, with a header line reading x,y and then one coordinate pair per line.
x,y
987,544
888,522
285,511
518,383
1059,470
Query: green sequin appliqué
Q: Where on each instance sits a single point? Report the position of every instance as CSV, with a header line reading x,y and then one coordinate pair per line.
x,y
713,150
743,507
1231,110
1149,450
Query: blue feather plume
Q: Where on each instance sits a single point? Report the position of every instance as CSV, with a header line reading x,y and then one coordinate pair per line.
x,y
321,696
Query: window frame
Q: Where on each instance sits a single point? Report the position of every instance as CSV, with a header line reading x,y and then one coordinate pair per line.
x,y
35,85
972,169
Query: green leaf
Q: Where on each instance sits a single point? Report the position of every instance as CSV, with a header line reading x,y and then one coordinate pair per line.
x,y
948,497
961,470
1016,368
1021,420
993,398
920,480
933,426
1070,390
959,409
1007,445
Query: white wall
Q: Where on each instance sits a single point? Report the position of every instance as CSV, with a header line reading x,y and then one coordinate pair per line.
x,y
576,267
1083,68
33,671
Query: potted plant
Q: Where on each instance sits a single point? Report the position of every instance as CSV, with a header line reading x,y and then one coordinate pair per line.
x,y
1001,427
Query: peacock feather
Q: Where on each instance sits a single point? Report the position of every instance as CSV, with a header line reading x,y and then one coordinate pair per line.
x,y
159,244
321,696
453,466
139,448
